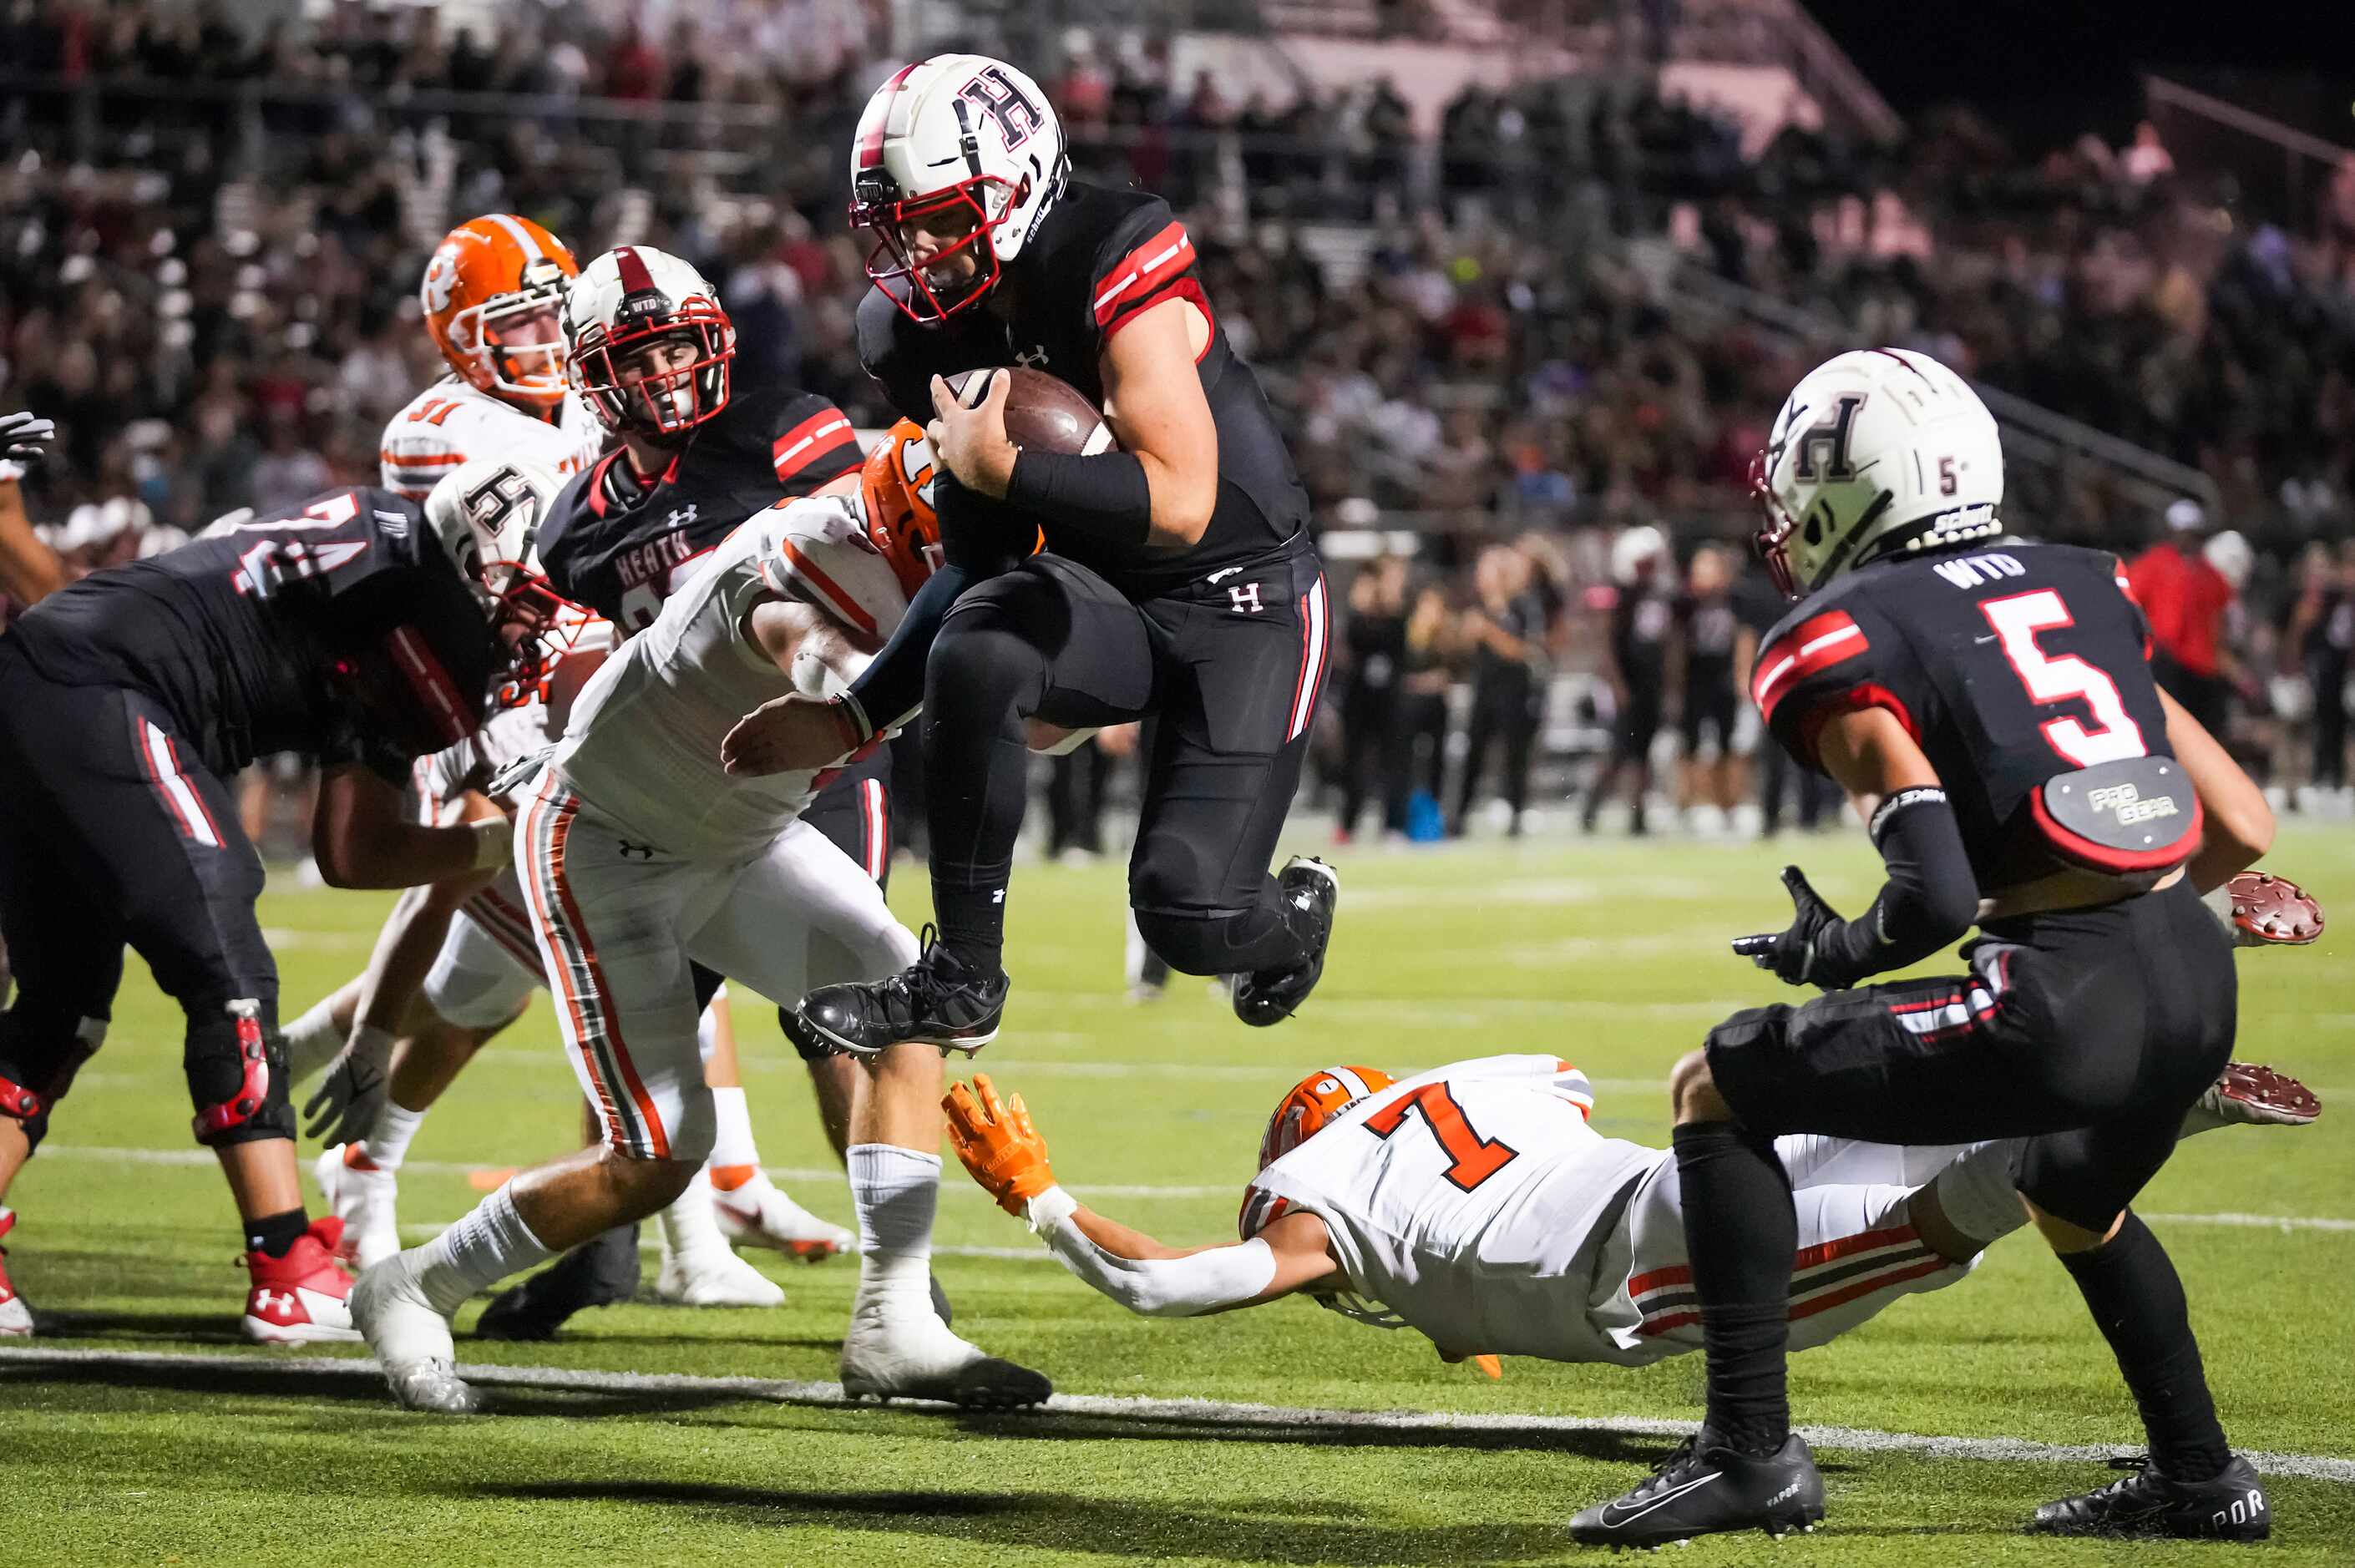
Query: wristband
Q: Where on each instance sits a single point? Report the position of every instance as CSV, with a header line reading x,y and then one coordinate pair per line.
x,y
1106,496
493,843
1050,1208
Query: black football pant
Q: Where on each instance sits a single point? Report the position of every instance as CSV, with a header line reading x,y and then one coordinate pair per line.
x,y
1232,670
1369,757
2088,1032
1505,707
111,835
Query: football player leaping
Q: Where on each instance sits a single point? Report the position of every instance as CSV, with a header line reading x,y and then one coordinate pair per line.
x,y
642,858
1988,707
1474,1203
1177,577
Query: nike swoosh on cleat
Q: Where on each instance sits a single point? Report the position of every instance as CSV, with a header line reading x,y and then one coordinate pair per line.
x,y
1607,1522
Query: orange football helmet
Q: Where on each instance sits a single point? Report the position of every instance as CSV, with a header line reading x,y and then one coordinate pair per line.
x,y
1314,1101
494,299
895,493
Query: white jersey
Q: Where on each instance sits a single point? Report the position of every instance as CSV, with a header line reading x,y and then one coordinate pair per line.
x,y
454,421
1473,1203
506,736
643,746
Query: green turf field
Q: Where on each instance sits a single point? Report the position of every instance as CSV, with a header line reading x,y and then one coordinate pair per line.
x,y
1608,953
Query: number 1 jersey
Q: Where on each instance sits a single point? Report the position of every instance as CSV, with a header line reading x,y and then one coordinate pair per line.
x,y
2008,665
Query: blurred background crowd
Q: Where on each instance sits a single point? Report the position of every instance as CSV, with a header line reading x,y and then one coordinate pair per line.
x,y
1527,323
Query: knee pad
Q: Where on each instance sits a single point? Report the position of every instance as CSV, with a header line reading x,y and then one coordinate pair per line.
x,y
469,989
989,654
1194,942
236,1067
40,1051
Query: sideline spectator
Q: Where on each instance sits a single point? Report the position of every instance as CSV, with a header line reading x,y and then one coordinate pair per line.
x,y
2184,599
1371,765
1642,616
1505,630
1708,630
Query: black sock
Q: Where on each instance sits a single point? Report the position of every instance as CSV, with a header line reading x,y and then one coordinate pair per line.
x,y
1740,1234
275,1234
976,779
973,925
2130,1287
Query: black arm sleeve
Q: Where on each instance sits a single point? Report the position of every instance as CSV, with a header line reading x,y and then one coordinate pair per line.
x,y
1931,898
1106,496
976,542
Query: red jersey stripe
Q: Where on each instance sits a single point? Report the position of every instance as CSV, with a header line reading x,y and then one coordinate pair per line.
x,y
1142,270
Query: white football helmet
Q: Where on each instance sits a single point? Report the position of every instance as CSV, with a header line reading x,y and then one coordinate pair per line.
x,y
622,306
1877,451
1635,550
949,131
486,514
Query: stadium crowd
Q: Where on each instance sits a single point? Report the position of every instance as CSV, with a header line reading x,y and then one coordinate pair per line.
x,y
219,320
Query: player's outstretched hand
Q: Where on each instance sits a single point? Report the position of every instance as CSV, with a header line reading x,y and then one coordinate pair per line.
x,y
787,735
2262,910
345,1104
998,1144
972,443
26,438
1790,954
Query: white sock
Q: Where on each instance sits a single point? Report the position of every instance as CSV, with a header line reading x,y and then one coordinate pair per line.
x,y
732,1142
687,1226
311,1040
895,1192
1976,1192
480,1250
389,1135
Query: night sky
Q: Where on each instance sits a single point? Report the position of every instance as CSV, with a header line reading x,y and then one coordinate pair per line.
x,y
2047,68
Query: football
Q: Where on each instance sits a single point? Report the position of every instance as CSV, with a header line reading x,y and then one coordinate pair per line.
x,y
1041,411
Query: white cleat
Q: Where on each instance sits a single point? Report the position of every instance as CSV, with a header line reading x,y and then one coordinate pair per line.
x,y
758,1213
366,1197
715,1278
909,1354
15,1317
411,1340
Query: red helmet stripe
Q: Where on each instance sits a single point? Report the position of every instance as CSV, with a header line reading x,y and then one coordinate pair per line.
x,y
634,276
870,146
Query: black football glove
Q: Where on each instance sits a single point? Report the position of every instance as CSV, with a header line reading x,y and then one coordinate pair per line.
x,y
1799,955
26,438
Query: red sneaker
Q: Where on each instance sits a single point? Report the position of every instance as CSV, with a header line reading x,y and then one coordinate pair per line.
x,y
300,1299
15,1317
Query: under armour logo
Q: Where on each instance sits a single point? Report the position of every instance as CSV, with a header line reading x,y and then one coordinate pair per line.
x,y
1031,358
274,1301
639,851
1246,598
682,516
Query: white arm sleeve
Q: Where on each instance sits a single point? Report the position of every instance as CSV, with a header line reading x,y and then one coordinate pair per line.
x,y
1155,1288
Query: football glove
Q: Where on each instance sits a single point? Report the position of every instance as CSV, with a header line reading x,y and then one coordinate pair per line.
x,y
1797,955
998,1144
26,438
345,1104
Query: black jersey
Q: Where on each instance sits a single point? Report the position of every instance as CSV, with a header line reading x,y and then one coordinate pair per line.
x,y
1641,619
1710,626
617,544
1099,259
336,629
2007,666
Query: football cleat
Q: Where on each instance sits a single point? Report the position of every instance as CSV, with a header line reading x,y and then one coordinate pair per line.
x,y
2269,911
913,1355
600,1272
758,1213
363,1195
412,1341
1309,889
2248,1093
936,1001
15,1317
714,1276
1704,1486
302,1298
2232,1507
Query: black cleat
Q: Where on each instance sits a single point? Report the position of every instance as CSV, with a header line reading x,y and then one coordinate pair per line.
x,y
1309,889
1704,1486
600,1272
2232,1507
936,1001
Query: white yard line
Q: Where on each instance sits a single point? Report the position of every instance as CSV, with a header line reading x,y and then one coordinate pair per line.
x,y
821,1174
1175,1413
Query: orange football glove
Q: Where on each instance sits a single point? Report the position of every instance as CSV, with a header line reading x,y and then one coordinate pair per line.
x,y
998,1143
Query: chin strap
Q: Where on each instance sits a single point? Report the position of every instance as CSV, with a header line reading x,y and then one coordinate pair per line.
x,y
251,1091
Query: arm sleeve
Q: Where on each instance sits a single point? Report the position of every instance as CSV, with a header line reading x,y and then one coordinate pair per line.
x,y
977,538
1930,899
1155,1288
1105,495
